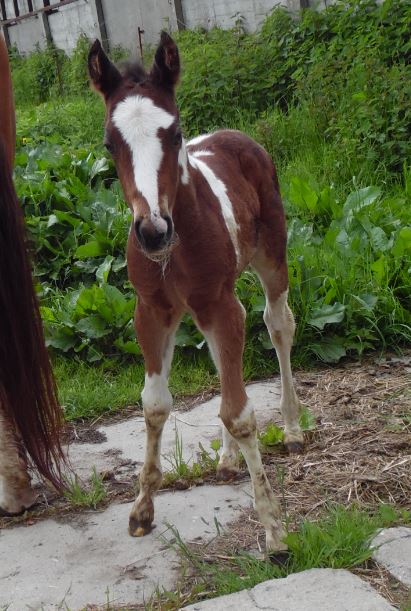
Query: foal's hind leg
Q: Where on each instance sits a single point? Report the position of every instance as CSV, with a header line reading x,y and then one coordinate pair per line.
x,y
280,324
155,332
227,468
224,322
17,492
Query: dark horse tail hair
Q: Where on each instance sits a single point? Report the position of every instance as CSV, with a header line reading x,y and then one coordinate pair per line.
x,y
28,392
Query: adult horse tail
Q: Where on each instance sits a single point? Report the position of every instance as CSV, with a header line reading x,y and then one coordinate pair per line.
x,y
28,394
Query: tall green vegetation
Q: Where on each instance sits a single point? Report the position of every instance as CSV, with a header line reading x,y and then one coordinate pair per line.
x,y
327,94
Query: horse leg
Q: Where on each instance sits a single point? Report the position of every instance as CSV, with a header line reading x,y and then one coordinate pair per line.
x,y
281,326
227,468
225,324
18,494
155,332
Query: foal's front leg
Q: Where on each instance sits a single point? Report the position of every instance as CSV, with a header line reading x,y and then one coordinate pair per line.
x,y
223,326
156,339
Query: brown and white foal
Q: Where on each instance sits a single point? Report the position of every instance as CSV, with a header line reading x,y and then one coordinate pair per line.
x,y
202,211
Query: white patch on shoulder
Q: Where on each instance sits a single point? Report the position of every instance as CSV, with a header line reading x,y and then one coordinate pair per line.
x,y
201,153
183,163
198,139
138,120
219,189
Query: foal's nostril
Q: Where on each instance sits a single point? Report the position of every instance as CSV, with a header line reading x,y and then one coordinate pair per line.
x,y
153,235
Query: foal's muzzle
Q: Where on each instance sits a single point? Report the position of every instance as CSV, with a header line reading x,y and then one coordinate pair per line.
x,y
154,237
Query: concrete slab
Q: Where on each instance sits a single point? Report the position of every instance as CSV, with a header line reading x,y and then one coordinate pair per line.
x,y
393,550
91,558
126,440
313,590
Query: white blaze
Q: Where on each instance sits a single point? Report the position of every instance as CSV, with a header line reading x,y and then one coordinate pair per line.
x,y
138,120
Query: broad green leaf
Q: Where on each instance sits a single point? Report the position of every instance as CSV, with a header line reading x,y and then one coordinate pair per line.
x,y
361,198
103,270
129,347
379,239
258,303
302,194
366,301
326,314
402,242
61,338
90,249
329,350
99,166
93,327
379,267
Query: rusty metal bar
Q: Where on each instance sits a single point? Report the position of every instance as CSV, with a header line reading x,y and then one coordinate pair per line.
x,y
46,9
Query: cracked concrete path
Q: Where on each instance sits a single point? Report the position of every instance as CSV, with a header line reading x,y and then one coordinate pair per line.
x,y
91,559
393,550
87,558
126,440
312,590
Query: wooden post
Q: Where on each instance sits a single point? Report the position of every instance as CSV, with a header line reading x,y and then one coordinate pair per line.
x,y
4,28
98,14
178,7
44,18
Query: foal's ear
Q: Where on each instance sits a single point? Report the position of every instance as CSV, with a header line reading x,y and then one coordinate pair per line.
x,y
103,74
166,67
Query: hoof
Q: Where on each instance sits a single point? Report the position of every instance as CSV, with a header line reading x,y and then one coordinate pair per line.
x,y
281,558
17,503
225,474
11,514
295,447
137,528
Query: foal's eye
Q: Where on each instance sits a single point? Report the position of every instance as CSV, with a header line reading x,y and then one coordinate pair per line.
x,y
177,138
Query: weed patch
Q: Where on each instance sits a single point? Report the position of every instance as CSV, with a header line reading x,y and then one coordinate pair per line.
x,y
89,496
341,538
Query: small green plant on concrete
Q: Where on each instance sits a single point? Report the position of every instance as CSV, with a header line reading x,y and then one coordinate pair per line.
x,y
206,463
90,496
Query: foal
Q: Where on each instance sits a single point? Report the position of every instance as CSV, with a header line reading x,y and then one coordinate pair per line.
x,y
30,415
202,211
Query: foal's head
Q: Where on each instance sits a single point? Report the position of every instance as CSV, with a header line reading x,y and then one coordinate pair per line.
x,y
142,132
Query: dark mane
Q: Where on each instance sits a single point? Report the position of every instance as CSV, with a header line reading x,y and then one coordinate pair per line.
x,y
133,71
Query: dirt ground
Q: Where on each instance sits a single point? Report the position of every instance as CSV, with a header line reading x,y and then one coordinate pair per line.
x,y
359,450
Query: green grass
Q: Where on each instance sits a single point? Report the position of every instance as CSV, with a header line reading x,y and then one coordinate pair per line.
x,y
90,390
86,496
341,538
327,96
177,468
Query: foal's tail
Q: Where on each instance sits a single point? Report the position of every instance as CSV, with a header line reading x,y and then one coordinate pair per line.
x,y
28,392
